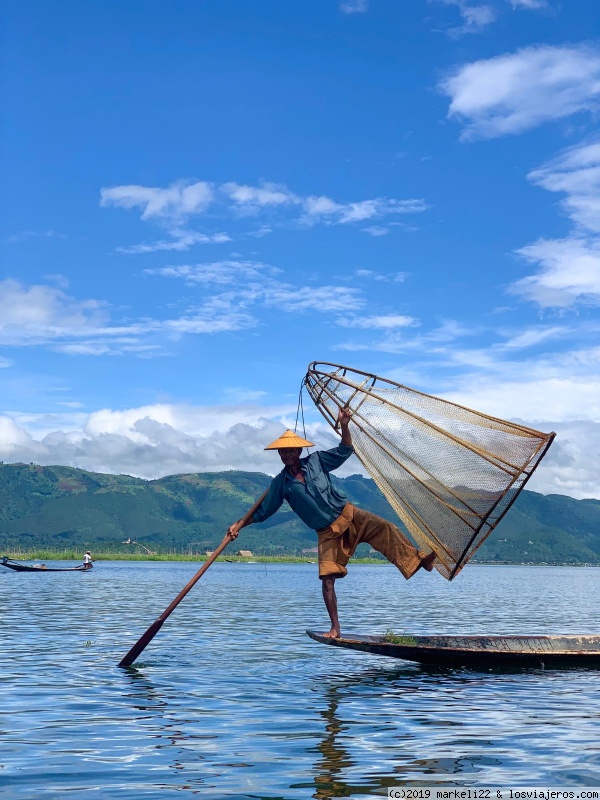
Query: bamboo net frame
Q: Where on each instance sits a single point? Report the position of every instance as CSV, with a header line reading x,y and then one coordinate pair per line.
x,y
449,472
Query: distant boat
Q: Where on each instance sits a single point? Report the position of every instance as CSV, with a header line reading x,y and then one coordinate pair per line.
x,y
18,567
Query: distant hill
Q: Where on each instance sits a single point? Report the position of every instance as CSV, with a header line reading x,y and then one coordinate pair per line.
x,y
62,507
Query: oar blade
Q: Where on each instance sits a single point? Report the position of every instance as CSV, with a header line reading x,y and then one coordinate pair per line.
x,y
141,643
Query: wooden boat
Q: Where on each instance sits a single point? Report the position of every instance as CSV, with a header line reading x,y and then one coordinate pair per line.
x,y
18,567
478,651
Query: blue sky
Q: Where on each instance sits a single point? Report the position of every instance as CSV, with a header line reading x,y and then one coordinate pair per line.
x,y
199,198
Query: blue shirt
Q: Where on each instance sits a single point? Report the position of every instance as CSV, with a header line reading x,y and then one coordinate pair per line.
x,y
317,502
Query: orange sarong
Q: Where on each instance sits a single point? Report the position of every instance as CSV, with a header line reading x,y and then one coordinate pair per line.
x,y
338,542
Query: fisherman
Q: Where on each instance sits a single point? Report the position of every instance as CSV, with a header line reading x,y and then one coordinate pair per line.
x,y
306,485
87,560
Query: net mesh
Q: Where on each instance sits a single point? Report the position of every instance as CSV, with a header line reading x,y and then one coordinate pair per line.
x,y
449,472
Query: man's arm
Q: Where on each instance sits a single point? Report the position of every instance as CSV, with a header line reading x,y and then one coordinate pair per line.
x,y
271,504
332,459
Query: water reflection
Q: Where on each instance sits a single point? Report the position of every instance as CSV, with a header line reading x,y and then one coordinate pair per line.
x,y
335,761
143,693
334,758
172,740
411,727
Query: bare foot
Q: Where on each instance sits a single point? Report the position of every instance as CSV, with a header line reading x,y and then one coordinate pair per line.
x,y
428,562
334,633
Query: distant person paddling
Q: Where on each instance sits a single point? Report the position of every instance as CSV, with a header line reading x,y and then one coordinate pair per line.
x,y
87,560
306,485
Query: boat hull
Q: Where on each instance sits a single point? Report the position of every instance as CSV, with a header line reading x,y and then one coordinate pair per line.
x,y
14,565
558,651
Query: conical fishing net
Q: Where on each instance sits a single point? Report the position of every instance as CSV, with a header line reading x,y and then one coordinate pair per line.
x,y
449,472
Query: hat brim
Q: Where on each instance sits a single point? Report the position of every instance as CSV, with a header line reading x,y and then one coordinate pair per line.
x,y
289,440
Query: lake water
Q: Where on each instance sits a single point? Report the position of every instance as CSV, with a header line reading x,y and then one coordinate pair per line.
x,y
233,700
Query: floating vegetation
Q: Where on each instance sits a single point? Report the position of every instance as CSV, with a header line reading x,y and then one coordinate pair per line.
x,y
395,638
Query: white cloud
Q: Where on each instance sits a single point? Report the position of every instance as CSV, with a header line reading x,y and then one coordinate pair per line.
x,y
571,465
173,206
264,230
157,440
180,241
380,321
162,439
90,348
218,314
558,385
99,347
568,272
549,388
24,235
357,212
260,287
449,331
13,440
563,397
513,93
394,341
308,298
44,423
529,4
320,206
554,392
250,199
376,230
475,17
354,6
396,277
535,336
217,272
568,407
576,172
37,313
324,209
178,200
46,316
240,395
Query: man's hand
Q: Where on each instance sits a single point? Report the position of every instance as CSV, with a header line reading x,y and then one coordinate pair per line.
x,y
344,417
233,530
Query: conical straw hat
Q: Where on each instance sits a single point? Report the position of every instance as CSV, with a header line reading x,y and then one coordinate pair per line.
x,y
289,439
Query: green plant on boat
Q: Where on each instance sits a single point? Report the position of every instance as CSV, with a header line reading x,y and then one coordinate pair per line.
x,y
394,638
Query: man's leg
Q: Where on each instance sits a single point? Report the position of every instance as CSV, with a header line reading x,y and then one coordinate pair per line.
x,y
389,540
329,596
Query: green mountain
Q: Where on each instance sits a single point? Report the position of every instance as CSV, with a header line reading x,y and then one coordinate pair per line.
x,y
62,507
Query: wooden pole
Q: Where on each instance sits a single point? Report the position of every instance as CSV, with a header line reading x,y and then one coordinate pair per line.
x,y
147,637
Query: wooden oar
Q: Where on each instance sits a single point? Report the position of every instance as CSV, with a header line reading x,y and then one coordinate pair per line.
x,y
147,637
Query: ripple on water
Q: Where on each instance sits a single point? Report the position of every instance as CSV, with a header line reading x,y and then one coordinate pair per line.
x,y
232,700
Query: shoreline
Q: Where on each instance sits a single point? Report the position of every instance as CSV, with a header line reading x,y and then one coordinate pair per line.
x,y
70,555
